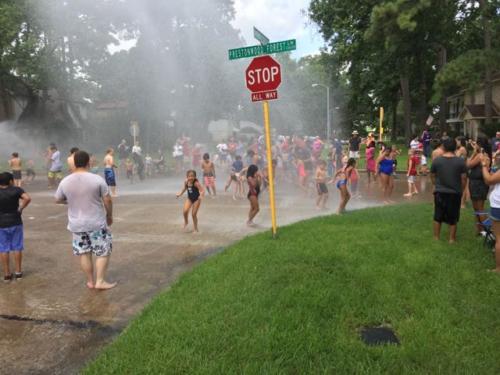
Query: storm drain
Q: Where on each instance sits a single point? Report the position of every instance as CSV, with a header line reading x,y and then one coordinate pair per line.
x,y
378,336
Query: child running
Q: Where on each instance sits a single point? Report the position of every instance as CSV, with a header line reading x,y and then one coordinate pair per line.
x,y
342,176
412,173
195,193
321,177
236,169
208,168
254,182
386,168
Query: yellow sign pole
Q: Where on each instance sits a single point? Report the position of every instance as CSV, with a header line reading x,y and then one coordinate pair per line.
x,y
381,132
270,171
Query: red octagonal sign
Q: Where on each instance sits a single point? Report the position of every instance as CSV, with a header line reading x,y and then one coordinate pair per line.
x,y
263,74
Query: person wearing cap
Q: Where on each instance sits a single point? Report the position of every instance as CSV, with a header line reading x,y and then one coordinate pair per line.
x,y
354,143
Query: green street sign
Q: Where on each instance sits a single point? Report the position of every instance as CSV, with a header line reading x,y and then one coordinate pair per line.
x,y
268,49
257,34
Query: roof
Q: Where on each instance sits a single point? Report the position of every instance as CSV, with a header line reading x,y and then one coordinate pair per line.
x,y
117,104
477,111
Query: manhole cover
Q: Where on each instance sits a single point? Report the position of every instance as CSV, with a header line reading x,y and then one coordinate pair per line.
x,y
378,336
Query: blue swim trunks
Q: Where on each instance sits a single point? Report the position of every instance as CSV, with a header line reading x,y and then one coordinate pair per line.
x,y
109,176
495,214
11,239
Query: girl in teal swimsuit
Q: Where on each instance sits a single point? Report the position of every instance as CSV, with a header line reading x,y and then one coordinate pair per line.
x,y
341,177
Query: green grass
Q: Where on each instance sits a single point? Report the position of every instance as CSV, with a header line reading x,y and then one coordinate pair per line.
x,y
295,305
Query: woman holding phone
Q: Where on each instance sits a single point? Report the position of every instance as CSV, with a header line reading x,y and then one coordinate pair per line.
x,y
478,189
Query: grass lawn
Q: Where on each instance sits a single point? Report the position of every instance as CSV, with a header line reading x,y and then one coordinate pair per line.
x,y
295,305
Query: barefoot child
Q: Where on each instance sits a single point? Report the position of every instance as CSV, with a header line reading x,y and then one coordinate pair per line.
x,y
254,182
370,162
386,168
236,169
342,176
208,168
30,171
16,167
321,176
412,172
195,193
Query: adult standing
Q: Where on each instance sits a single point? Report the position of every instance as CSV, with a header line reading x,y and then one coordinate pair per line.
x,y
13,200
337,145
354,143
90,214
122,153
493,179
55,166
448,175
178,155
426,140
478,189
138,160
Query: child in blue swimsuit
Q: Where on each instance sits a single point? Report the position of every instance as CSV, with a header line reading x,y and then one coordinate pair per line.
x,y
386,169
194,194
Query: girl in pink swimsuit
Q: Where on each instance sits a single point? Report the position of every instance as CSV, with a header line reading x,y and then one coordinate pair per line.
x,y
370,162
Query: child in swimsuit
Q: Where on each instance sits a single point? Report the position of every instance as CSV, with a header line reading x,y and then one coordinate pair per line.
x,y
208,174
342,176
236,169
254,182
412,172
321,176
195,193
370,161
386,169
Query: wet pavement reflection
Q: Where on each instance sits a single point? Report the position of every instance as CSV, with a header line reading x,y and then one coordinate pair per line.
x,y
50,323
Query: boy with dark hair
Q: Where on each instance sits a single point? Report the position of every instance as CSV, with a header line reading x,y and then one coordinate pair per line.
x,y
448,175
13,200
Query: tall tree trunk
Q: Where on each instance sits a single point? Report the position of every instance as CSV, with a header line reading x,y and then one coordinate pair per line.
x,y
4,102
405,92
488,87
394,132
443,104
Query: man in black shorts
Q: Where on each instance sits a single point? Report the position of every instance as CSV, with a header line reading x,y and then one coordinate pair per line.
x,y
448,175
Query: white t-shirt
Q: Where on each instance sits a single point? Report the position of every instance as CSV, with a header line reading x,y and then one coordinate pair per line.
x,y
414,144
136,150
55,162
222,148
84,193
495,196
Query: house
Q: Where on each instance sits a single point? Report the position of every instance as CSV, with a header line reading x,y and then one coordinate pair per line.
x,y
466,112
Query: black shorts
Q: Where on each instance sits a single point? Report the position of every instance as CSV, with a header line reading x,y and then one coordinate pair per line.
x,y
447,207
322,188
17,175
478,190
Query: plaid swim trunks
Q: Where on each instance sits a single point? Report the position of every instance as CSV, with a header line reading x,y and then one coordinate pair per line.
x,y
98,242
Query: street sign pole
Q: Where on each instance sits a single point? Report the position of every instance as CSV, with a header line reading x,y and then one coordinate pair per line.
x,y
381,127
270,172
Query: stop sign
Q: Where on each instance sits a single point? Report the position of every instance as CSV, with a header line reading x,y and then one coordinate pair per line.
x,y
263,74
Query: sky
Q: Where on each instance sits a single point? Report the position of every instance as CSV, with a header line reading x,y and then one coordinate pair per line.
x,y
278,20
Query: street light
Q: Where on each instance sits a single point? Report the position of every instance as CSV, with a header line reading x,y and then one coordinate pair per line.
x,y
328,127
